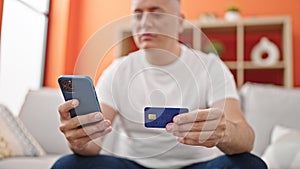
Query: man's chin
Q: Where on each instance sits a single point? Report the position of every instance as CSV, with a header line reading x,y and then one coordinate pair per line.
x,y
147,46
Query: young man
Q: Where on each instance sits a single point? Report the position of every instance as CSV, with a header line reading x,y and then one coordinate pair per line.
x,y
163,73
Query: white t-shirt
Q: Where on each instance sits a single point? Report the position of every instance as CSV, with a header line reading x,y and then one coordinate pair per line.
x,y
194,81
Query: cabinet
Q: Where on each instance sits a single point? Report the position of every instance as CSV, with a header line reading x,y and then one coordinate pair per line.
x,y
238,40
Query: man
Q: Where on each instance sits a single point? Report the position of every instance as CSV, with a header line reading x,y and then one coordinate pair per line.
x,y
164,73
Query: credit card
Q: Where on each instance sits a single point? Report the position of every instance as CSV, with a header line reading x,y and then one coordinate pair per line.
x,y
159,117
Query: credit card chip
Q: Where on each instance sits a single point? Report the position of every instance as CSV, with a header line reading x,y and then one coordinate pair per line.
x,y
152,116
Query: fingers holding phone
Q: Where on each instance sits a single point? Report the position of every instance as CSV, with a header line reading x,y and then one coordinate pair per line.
x,y
81,117
64,109
80,130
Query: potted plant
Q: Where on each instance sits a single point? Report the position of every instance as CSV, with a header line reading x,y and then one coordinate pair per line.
x,y
215,46
232,13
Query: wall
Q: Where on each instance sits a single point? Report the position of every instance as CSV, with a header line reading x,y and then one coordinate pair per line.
x,y
1,9
82,18
254,8
56,52
71,24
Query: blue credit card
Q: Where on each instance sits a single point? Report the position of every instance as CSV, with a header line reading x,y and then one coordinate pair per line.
x,y
159,117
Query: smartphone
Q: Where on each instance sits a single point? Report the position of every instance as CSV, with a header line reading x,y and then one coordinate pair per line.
x,y
82,89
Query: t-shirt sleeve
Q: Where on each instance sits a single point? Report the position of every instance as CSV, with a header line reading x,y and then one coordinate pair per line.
x,y
221,83
104,87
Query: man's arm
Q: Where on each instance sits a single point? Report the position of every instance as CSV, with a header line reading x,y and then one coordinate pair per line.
x,y
223,126
92,147
239,136
85,140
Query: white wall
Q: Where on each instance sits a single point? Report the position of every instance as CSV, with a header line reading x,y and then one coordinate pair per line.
x,y
24,31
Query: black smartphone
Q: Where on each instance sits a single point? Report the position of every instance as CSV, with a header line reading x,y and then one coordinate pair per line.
x,y
82,89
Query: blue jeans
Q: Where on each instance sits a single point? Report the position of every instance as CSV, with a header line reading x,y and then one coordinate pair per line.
x,y
239,161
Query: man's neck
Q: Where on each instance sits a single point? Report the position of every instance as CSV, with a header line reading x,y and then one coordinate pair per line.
x,y
163,57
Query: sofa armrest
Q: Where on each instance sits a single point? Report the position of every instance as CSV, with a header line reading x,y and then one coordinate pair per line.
x,y
266,106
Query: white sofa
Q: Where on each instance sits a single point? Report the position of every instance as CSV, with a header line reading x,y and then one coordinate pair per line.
x,y
39,115
265,106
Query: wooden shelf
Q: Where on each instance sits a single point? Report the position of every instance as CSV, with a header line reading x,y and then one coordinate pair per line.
x,y
251,65
239,39
247,33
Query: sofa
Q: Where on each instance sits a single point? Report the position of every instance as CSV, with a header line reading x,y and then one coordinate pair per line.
x,y
39,116
272,111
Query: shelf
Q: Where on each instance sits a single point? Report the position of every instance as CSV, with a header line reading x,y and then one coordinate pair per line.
x,y
251,65
239,39
252,21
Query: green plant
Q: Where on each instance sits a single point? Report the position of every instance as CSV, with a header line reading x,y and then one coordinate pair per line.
x,y
214,46
233,8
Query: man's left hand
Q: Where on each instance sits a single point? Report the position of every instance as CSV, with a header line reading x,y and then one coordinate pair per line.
x,y
202,127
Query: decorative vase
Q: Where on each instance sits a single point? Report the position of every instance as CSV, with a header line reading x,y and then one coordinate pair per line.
x,y
265,46
232,16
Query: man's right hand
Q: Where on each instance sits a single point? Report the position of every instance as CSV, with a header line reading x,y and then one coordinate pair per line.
x,y
80,137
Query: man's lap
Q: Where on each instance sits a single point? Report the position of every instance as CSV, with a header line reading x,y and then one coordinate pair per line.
x,y
239,161
74,161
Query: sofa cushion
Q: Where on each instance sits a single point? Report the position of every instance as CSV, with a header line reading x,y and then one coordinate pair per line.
x,y
15,139
39,114
266,106
284,150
